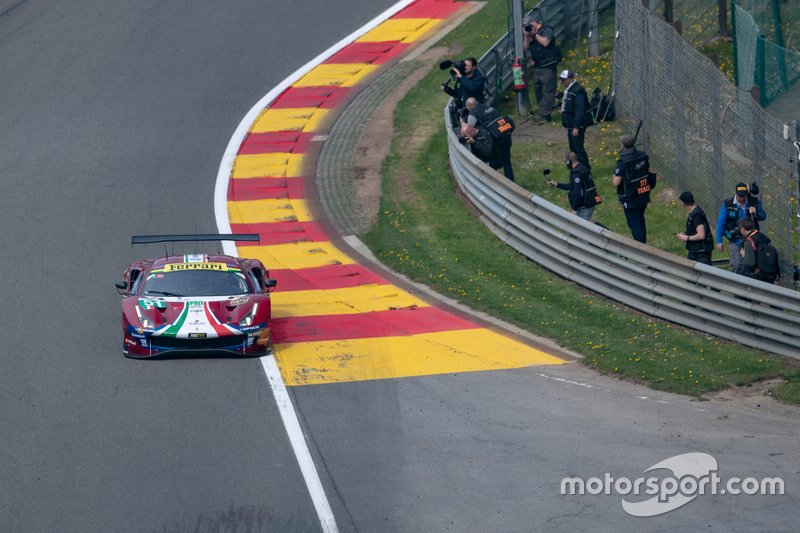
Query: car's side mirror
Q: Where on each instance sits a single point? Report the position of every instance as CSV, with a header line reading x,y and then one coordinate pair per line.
x,y
270,284
122,287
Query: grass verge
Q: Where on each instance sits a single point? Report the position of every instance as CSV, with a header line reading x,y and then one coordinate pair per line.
x,y
425,231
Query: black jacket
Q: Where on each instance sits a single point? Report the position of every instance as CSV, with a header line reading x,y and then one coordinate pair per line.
x,y
576,107
465,87
577,180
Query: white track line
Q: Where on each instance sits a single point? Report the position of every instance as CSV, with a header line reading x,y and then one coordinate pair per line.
x,y
282,398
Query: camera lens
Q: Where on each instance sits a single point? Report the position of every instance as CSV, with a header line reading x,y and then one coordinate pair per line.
x,y
527,27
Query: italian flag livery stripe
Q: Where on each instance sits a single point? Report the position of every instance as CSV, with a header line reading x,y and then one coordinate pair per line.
x,y
197,318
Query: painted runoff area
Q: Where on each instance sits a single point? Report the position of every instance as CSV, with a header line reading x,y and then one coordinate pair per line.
x,y
333,319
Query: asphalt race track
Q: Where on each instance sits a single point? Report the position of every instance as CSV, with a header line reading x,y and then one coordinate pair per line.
x,y
114,117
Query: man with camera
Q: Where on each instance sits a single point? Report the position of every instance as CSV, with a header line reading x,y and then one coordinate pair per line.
x,y
539,42
469,81
582,193
744,204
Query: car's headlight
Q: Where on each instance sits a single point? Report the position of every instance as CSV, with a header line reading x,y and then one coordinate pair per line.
x,y
143,320
247,319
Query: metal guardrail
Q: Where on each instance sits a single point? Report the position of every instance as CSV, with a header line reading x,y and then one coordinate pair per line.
x,y
649,280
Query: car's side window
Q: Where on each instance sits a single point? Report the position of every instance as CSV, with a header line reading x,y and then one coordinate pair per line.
x,y
255,278
134,281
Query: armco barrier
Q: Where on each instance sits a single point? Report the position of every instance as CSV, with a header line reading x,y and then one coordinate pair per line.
x,y
654,282
660,284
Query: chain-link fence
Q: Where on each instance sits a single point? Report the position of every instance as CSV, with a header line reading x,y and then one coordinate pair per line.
x,y
703,133
761,58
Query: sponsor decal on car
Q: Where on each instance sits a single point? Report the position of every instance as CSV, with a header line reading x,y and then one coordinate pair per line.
x,y
147,304
176,267
198,335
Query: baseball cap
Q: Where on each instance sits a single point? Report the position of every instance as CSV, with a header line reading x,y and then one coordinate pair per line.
x,y
566,75
741,189
686,197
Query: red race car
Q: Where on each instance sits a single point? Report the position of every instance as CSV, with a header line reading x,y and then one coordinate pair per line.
x,y
195,303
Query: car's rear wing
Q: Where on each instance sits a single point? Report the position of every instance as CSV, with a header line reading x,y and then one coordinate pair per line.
x,y
202,237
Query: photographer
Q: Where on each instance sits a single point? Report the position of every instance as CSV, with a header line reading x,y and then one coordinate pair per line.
x,y
479,141
539,42
469,81
581,198
744,204
500,128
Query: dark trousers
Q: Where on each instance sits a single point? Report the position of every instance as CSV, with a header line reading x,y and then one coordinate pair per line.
x,y
576,145
636,223
700,257
544,87
503,147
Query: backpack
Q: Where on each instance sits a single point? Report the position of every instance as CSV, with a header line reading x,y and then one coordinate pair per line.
x,y
768,267
601,108
591,197
497,124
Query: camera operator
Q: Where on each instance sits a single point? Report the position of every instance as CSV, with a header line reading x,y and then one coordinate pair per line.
x,y
469,82
539,41
744,204
579,178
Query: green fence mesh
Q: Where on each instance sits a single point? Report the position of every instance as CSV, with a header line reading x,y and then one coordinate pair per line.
x,y
703,133
765,39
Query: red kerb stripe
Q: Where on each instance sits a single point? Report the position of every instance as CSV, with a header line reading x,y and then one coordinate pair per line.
x,y
400,322
325,277
323,97
280,233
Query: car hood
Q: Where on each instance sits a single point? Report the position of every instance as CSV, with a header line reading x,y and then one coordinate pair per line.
x,y
200,317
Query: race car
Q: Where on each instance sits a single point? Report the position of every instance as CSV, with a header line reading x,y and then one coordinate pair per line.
x,y
195,303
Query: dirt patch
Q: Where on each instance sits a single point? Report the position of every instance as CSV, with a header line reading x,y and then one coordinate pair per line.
x,y
755,396
375,144
667,195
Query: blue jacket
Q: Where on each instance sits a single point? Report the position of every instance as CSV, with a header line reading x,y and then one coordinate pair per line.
x,y
741,213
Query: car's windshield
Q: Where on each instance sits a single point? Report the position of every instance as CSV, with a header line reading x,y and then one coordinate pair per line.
x,y
196,283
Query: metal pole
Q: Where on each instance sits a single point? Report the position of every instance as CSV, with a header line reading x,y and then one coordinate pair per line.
x,y
723,17
668,17
594,29
776,21
795,268
735,41
523,101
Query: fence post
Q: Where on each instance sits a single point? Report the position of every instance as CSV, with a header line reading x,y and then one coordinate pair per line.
x,y
776,21
523,102
795,267
761,67
735,40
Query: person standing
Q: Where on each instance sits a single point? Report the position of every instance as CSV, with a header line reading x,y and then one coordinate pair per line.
x,y
633,180
579,179
539,42
698,232
468,84
575,115
742,205
499,127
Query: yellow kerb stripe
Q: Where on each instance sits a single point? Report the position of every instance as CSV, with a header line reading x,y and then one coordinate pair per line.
x,y
307,119
346,301
297,255
402,30
338,75
470,350
268,210
268,165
